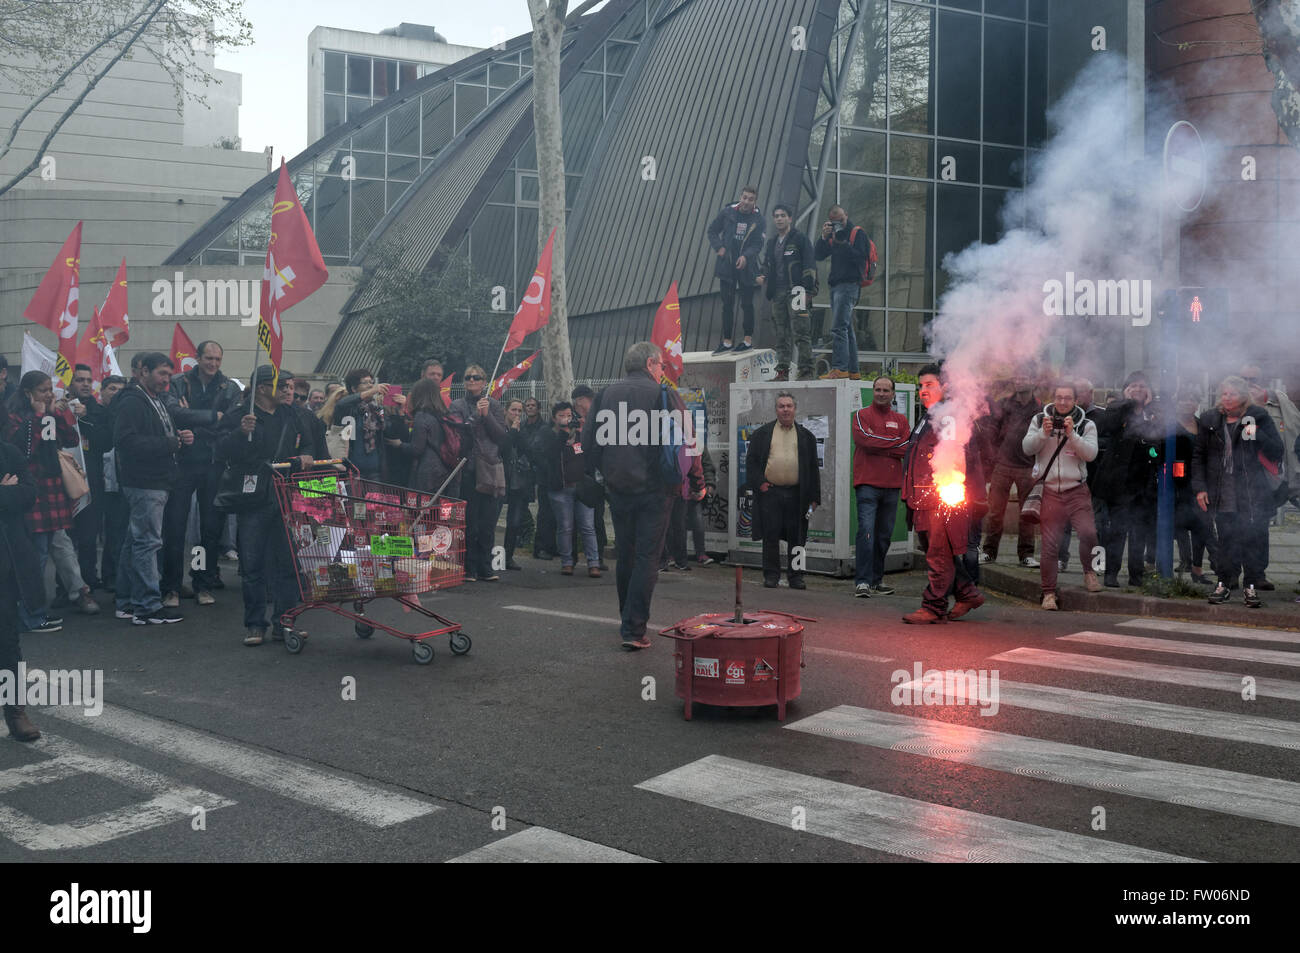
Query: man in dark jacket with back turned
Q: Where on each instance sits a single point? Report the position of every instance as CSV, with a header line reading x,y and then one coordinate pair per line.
x,y
736,237
199,398
19,579
639,498
145,443
781,470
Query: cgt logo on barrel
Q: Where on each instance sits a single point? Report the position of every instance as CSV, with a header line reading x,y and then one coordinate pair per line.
x,y
735,673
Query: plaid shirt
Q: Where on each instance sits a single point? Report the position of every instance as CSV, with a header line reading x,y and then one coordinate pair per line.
x,y
53,509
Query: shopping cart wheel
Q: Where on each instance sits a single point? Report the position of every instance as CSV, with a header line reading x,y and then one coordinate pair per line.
x,y
460,643
364,631
292,642
423,652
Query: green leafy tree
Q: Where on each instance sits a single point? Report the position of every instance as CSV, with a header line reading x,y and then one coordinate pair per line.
x,y
424,314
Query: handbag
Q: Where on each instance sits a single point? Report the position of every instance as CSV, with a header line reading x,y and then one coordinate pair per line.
x,y
74,478
245,487
1031,507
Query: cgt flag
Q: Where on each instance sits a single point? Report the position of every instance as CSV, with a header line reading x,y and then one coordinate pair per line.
x,y
54,306
96,352
112,316
444,390
666,334
184,356
505,380
535,310
293,270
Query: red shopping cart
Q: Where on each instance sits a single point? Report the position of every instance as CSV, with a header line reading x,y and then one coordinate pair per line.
x,y
355,540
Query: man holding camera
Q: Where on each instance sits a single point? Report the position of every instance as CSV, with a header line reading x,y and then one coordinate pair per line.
x,y
563,466
1063,441
847,247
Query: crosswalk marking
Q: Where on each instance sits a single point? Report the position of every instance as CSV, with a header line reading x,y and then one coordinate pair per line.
x,y
1212,789
607,620
884,822
1147,714
840,653
357,800
1202,649
539,845
1202,628
1149,672
168,801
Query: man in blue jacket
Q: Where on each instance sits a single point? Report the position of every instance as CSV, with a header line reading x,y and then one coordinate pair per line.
x,y
736,237
847,246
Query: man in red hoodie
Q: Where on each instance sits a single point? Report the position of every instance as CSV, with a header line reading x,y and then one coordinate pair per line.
x,y
880,440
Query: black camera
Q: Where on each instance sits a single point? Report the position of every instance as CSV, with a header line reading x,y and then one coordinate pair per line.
x,y
1058,423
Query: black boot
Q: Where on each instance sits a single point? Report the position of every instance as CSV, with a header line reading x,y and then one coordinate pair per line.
x,y
20,727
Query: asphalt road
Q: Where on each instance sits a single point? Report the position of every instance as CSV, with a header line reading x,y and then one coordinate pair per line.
x,y
208,750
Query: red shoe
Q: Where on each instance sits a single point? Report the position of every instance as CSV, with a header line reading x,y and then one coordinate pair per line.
x,y
961,608
924,616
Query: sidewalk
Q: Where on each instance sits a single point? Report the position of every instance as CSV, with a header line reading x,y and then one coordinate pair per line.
x,y
1280,610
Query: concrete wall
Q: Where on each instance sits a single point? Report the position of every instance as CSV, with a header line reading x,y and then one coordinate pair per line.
x,y
205,124
308,326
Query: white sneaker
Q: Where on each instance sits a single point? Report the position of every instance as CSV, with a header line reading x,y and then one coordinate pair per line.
x,y
1029,562
985,558
862,590
120,614
1049,602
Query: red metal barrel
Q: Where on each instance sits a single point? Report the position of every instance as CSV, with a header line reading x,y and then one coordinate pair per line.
x,y
740,664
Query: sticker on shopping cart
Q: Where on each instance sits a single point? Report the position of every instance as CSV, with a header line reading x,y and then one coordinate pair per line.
x,y
762,671
736,673
706,668
250,482
444,511
358,510
440,540
401,546
315,488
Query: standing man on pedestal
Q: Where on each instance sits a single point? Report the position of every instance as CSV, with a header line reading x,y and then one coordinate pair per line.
x,y
847,246
789,274
736,237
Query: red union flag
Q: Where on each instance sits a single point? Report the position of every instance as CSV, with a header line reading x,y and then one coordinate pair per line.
x,y
444,389
535,310
54,305
294,267
96,352
183,354
112,316
519,370
666,334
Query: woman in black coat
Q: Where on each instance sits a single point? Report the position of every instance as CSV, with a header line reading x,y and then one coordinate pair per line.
x,y
1235,441
424,448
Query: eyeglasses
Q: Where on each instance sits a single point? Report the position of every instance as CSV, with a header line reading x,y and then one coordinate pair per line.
x,y
474,377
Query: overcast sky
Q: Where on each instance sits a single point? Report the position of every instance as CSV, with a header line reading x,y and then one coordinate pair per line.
x,y
274,67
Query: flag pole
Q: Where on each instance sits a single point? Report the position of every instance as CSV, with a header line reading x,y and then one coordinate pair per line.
x,y
492,379
252,393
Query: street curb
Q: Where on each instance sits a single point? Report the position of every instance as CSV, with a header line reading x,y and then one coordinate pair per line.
x,y
1071,599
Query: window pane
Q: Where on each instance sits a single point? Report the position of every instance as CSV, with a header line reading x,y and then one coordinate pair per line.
x,y
333,111
870,327
963,4
815,147
367,209
436,107
863,97
369,165
370,136
911,271
583,104
957,217
992,231
359,76
1004,82
404,128
863,198
356,106
214,256
407,73
959,76
403,168
395,190
478,77
529,190
385,78
907,331
1004,166
911,157
1006,8
492,237
331,224
470,101
334,64
1036,91
1038,11
618,56
528,248
862,151
911,48
502,75
611,87
504,191
965,164
527,157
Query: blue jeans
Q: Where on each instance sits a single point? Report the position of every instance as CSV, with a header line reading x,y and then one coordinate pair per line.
x,y
265,565
137,566
640,522
34,619
844,339
877,510
566,507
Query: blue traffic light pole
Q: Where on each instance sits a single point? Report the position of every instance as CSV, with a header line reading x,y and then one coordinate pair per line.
x,y
1169,339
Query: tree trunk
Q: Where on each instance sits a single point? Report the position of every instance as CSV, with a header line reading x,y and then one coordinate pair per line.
x,y
1279,26
548,33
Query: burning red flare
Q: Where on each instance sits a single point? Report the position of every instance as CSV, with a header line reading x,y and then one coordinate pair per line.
x,y
952,489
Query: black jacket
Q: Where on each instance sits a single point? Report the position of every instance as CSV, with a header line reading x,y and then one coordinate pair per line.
x,y
810,482
288,432
561,467
847,258
794,267
17,554
631,469
1126,437
1250,485
737,233
521,479
96,440
221,396
1012,421
146,454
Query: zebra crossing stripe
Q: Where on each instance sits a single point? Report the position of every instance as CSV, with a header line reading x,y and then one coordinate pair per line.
x,y
1250,729
890,823
1204,649
1149,672
1211,789
539,845
1227,631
